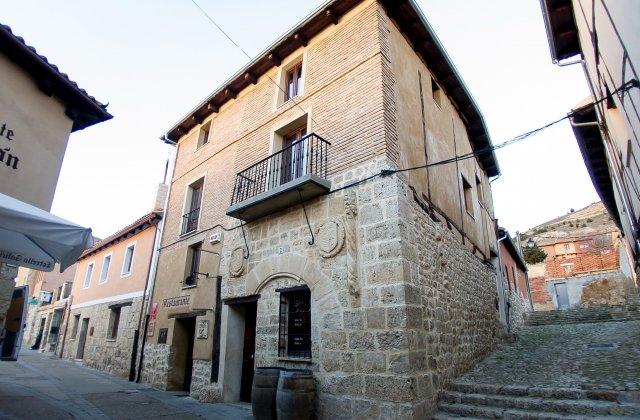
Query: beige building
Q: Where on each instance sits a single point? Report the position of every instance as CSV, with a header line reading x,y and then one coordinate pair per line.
x,y
49,293
102,324
285,245
602,37
39,107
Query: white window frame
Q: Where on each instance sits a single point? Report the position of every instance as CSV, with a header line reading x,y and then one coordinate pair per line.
x,y
86,284
124,259
280,98
106,277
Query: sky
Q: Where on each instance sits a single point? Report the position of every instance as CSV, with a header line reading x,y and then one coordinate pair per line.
x,y
154,60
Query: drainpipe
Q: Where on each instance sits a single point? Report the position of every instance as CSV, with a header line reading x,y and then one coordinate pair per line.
x,y
156,254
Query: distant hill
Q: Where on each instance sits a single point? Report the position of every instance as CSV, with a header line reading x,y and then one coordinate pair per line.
x,y
591,220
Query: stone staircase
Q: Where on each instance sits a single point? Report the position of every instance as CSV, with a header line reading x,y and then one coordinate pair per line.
x,y
483,401
629,312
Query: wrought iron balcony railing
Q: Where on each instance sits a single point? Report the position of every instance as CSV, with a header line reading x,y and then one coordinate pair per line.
x,y
190,221
307,156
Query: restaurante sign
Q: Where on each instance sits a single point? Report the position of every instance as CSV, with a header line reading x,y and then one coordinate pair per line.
x,y
6,156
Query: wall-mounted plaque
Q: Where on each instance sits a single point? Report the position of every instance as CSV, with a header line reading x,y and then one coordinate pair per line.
x,y
202,328
176,301
162,335
151,328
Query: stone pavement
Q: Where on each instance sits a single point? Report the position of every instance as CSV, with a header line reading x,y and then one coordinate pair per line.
x,y
602,356
40,386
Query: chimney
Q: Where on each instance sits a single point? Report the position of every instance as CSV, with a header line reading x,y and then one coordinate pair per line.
x,y
161,197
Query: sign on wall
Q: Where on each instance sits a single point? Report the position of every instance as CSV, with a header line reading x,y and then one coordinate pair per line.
x,y
202,328
176,301
151,328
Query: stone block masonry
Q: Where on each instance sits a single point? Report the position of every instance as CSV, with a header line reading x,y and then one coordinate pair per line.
x,y
112,355
399,311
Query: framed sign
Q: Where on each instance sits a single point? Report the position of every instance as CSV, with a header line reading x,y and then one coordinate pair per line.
x,y
202,328
151,328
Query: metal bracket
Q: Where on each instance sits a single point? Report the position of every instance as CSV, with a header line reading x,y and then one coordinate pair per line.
x,y
313,239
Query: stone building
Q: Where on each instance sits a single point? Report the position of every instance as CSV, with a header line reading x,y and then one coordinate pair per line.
x,y
586,261
289,240
515,299
103,323
602,37
39,108
49,293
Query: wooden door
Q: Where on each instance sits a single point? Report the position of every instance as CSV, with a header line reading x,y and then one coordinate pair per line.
x,y
248,351
82,338
190,327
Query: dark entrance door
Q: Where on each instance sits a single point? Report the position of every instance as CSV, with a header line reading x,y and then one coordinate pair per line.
x,y
13,325
189,328
82,339
248,352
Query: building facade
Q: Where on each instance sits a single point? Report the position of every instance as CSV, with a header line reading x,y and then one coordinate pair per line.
x,y
39,108
102,325
601,36
290,241
586,262
49,293
515,282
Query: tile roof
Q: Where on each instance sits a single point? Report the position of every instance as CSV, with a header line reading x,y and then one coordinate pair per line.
x,y
142,223
82,108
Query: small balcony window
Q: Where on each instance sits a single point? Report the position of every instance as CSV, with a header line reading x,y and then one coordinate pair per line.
x,y
293,81
192,215
203,135
195,251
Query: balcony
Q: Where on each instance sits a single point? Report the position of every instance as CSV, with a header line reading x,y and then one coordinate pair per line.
x,y
295,174
190,221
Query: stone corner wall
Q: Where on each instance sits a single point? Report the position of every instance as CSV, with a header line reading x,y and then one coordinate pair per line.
x,y
519,306
156,364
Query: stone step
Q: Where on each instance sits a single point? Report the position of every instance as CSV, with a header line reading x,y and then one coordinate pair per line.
x,y
584,315
539,404
485,412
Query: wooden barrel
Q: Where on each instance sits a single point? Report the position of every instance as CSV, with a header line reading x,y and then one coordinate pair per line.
x,y
295,399
263,393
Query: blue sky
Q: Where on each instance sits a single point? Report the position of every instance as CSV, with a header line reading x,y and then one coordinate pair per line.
x,y
153,60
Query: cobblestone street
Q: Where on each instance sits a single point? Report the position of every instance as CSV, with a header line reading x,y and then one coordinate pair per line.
x,y
587,356
39,386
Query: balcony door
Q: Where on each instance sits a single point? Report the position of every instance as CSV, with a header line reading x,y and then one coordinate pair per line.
x,y
294,155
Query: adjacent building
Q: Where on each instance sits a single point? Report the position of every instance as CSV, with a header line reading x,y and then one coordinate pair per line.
x,y
289,239
602,37
586,262
105,315
39,108
49,293
514,289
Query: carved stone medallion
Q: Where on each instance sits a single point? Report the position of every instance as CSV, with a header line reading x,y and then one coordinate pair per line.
x,y
236,262
330,238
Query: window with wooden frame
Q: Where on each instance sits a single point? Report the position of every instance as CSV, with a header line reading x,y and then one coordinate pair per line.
x,y
515,278
293,81
294,334
203,135
192,207
468,196
479,191
114,323
193,264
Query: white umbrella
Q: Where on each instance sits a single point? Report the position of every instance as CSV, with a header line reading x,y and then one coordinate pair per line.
x,y
31,237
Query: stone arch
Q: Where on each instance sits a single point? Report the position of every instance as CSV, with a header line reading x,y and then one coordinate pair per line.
x,y
299,268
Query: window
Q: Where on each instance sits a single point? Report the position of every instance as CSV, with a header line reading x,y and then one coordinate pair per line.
x,y
506,275
515,278
294,338
127,264
566,248
106,262
114,323
87,276
203,135
294,155
468,196
192,207
436,91
293,81
479,191
193,264
74,329
59,292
